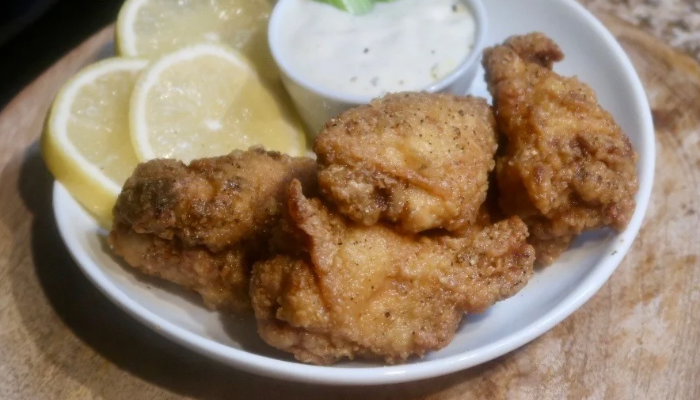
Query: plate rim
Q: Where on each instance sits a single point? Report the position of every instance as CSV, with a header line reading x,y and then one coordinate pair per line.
x,y
375,375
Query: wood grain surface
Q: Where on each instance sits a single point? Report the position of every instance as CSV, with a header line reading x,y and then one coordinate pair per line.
x,y
637,338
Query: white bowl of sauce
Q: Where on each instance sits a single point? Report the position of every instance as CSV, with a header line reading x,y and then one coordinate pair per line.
x,y
332,60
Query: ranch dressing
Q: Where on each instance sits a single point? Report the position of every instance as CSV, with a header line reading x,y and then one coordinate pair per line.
x,y
398,46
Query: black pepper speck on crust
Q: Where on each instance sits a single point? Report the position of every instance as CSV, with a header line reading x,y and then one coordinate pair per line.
x,y
418,160
567,166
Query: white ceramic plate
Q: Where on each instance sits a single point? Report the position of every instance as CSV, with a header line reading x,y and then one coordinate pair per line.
x,y
552,295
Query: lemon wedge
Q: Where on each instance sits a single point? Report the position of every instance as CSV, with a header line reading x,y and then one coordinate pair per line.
x,y
204,101
86,142
152,28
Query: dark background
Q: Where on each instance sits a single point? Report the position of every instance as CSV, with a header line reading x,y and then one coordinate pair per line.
x,y
36,33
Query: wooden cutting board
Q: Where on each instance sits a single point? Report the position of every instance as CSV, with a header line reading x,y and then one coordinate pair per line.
x,y
638,338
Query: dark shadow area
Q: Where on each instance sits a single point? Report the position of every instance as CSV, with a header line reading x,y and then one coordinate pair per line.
x,y
66,24
475,318
243,330
15,15
586,238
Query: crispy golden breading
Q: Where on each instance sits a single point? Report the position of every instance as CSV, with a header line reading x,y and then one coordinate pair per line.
x,y
214,202
567,166
203,225
415,159
220,278
368,291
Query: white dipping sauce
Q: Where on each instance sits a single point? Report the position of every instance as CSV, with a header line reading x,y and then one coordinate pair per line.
x,y
398,46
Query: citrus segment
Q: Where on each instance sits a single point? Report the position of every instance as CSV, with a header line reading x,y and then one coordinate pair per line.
x,y
86,142
205,101
152,28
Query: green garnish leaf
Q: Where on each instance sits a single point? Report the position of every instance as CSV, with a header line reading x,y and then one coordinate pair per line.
x,y
354,7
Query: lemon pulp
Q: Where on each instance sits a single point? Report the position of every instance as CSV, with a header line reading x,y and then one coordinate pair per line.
x,y
205,101
86,143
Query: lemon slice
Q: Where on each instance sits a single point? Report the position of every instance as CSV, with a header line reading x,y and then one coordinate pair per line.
x,y
152,28
86,142
205,101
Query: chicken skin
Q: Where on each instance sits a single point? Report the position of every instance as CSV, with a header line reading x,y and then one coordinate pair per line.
x,y
418,160
220,278
202,225
214,202
567,167
371,292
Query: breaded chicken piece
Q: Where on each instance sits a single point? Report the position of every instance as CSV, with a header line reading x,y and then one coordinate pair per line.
x,y
418,160
567,166
368,291
214,202
222,278
202,226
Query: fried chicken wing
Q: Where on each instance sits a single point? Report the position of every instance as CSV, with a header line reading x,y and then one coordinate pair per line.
x,y
221,278
415,159
369,291
213,202
202,226
567,166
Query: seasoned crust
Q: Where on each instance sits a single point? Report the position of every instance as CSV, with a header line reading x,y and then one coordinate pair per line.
x,y
371,292
222,278
566,166
418,160
213,202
